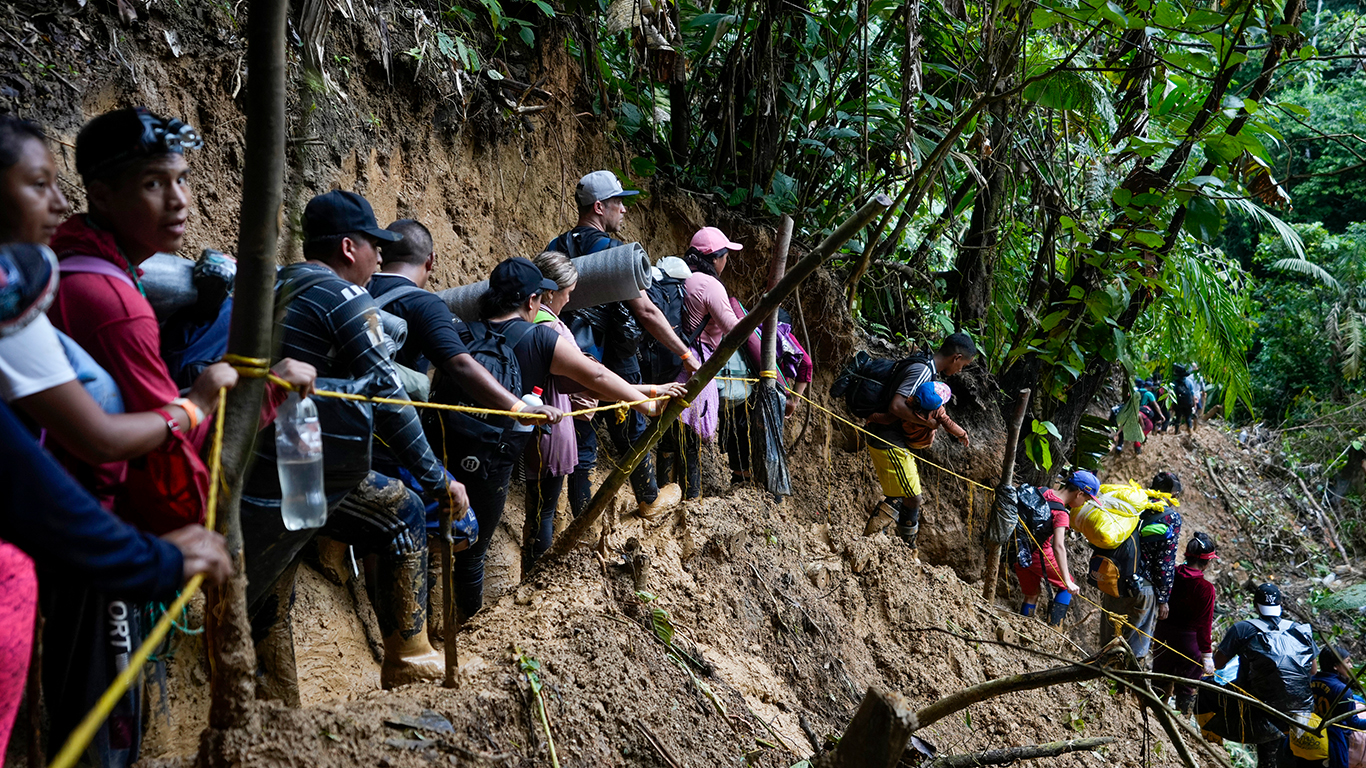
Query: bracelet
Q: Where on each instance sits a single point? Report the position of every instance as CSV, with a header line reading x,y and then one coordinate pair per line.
x,y
191,410
519,407
171,423
687,355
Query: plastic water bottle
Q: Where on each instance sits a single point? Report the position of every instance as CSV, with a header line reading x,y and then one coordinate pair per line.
x,y
531,399
299,458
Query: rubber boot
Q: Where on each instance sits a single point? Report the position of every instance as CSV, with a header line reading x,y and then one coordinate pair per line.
x,y
908,524
401,609
1185,702
1058,610
669,497
334,560
277,673
884,514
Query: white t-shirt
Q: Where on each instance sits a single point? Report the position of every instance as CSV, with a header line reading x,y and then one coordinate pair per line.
x,y
32,361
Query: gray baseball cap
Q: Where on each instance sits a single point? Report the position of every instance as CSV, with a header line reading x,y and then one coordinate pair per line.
x,y
598,186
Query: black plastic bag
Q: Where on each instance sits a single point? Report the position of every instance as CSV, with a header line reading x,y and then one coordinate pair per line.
x,y
1233,719
770,458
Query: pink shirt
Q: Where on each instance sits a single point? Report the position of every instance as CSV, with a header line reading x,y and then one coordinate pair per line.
x,y
704,295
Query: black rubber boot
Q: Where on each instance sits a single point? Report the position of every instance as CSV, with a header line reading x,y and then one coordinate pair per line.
x,y
1185,702
908,534
1057,612
908,522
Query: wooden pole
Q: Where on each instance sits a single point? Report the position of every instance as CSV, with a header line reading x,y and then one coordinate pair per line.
x,y
991,569
776,268
876,736
1027,752
577,532
232,687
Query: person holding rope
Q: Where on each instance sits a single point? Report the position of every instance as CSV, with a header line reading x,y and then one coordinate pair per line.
x,y
1183,632
136,179
1035,560
892,458
1333,697
330,321
601,204
481,452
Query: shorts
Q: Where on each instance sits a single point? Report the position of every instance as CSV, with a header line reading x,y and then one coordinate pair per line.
x,y
896,472
1031,578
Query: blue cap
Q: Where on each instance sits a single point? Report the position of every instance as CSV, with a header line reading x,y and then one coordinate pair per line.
x,y
928,398
1085,482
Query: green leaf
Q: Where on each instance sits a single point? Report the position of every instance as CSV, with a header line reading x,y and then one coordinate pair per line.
x,y
1149,238
1203,220
1052,429
1223,148
1053,319
528,36
643,166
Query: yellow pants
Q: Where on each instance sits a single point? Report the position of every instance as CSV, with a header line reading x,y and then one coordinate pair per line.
x,y
896,472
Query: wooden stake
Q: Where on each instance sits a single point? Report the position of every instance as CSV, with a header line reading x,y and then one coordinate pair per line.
x,y
876,736
577,532
232,683
991,569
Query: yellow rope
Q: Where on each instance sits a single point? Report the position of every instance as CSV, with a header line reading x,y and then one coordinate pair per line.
x,y
84,733
256,368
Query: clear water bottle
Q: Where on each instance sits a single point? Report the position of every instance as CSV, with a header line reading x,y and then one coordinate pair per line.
x,y
531,399
299,457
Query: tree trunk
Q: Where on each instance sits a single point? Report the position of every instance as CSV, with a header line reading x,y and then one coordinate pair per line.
x,y
263,167
991,570
578,530
976,263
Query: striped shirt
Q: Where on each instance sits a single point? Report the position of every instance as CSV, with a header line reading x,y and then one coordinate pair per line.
x,y
335,327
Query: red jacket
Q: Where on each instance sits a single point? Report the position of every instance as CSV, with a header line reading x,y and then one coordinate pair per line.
x,y
1191,607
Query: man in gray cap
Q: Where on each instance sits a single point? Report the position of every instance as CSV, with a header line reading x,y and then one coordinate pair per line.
x,y
600,199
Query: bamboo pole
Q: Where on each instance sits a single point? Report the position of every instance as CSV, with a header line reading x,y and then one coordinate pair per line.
x,y
776,268
263,168
991,569
577,532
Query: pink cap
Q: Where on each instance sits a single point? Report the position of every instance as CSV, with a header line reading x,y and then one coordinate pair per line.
x,y
943,391
711,240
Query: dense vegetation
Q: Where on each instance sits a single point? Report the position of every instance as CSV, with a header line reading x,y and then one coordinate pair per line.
x,y
1088,186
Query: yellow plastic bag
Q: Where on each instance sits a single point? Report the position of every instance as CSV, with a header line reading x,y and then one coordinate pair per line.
x,y
1108,520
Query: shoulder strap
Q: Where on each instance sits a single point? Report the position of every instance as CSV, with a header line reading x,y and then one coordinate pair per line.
x,y
390,297
514,335
97,266
294,287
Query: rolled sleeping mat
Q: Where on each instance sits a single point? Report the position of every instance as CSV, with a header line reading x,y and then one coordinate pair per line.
x,y
616,274
169,283
395,331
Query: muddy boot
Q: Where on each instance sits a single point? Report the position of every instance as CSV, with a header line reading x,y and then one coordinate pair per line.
x,y
1185,702
401,609
884,514
1058,610
909,534
334,560
277,675
669,497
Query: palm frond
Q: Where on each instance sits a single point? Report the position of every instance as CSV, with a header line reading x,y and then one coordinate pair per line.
x,y
1289,237
1352,329
1306,267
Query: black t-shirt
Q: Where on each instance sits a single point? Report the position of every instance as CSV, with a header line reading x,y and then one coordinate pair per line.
x,y
432,334
534,351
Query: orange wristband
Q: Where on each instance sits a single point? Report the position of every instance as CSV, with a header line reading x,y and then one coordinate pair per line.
x,y
687,355
519,407
191,410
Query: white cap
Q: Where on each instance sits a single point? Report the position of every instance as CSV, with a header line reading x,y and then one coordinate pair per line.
x,y
1269,610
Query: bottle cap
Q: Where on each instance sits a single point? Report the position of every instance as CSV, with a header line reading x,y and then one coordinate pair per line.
x,y
536,391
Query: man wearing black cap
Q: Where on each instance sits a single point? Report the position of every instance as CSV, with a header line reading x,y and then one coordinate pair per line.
x,y
602,208
330,321
1277,659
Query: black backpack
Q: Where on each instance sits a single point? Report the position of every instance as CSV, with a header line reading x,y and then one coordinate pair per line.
x,y
867,383
658,363
1274,665
1035,523
470,440
1184,396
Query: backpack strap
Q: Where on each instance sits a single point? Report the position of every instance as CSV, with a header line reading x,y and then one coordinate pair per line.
x,y
514,335
396,294
96,266
294,287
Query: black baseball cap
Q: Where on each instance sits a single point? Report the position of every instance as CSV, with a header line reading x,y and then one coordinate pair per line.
x,y
518,278
1267,597
342,213
1201,547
